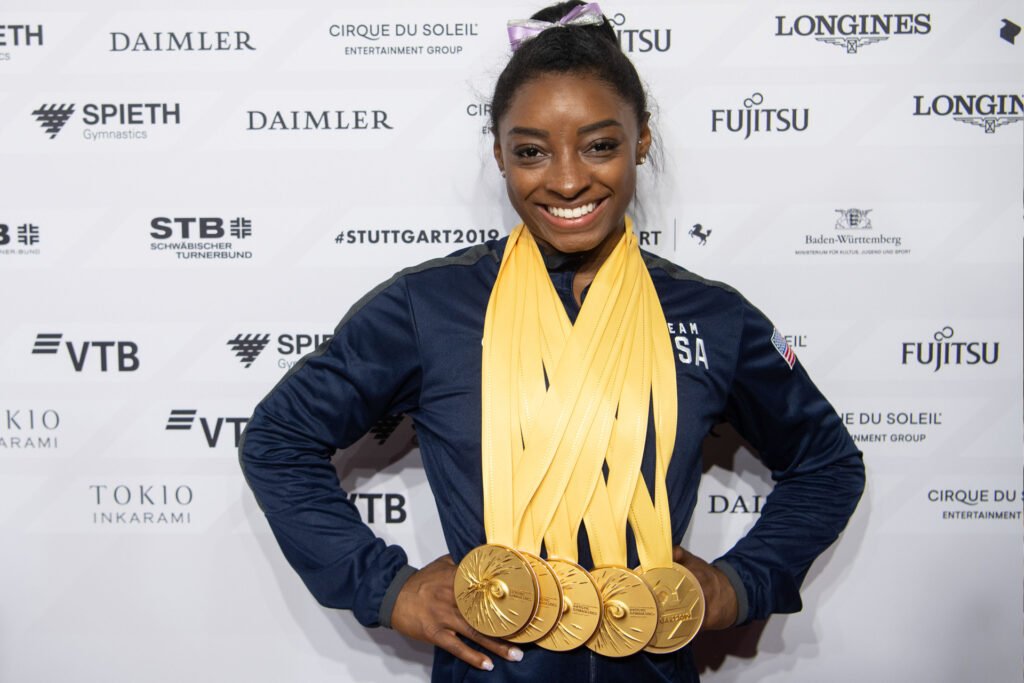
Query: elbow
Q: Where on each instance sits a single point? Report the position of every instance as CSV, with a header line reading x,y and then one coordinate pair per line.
x,y
849,481
246,446
858,474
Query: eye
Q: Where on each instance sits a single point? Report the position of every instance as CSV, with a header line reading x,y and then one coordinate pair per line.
x,y
604,146
528,152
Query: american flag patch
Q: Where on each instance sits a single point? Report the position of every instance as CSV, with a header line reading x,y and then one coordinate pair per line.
x,y
783,347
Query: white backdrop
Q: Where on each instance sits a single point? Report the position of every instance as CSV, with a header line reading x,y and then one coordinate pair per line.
x,y
168,250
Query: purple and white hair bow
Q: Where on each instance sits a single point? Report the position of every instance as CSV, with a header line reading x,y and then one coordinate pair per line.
x,y
521,30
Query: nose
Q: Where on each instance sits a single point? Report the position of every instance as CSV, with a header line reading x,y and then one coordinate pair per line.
x,y
568,175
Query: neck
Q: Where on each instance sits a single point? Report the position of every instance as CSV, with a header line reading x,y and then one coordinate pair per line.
x,y
590,260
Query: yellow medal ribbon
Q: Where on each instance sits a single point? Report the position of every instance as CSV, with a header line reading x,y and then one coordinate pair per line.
x,y
559,401
496,587
562,457
585,424
679,595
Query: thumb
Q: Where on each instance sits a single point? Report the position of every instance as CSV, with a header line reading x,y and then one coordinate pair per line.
x,y
678,554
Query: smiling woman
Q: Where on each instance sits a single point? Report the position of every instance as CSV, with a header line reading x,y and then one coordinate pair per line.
x,y
570,123
565,454
569,146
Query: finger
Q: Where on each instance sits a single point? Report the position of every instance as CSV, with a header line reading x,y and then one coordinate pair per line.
x,y
498,647
447,640
688,559
445,594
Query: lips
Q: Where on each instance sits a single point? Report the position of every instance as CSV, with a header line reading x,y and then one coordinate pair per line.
x,y
577,212
568,217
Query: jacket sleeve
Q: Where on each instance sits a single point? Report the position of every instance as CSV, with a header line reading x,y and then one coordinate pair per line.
x,y
369,369
817,469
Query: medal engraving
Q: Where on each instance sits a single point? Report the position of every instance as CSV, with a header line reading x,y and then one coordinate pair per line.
x,y
581,608
680,607
630,613
496,590
549,604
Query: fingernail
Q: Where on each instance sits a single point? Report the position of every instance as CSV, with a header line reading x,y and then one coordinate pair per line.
x,y
515,654
488,665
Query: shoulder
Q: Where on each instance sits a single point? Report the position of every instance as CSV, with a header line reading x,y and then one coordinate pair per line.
x,y
480,255
436,278
669,275
684,293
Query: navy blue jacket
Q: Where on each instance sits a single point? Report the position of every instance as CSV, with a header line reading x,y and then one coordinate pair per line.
x,y
413,346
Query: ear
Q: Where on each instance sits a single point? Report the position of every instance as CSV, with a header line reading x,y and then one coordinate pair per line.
x,y
497,155
644,143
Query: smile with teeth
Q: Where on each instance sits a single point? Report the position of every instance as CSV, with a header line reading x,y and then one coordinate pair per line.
x,y
577,212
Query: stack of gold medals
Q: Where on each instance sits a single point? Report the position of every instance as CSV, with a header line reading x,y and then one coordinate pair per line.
x,y
560,403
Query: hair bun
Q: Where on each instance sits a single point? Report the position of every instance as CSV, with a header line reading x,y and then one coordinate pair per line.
x,y
553,13
569,49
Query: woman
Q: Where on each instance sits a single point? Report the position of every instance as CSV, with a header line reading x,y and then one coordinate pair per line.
x,y
570,125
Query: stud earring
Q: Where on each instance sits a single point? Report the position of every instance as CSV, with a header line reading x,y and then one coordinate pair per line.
x,y
503,174
641,161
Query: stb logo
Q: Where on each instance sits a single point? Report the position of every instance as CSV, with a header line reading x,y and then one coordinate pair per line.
x,y
853,219
103,353
248,347
28,234
52,117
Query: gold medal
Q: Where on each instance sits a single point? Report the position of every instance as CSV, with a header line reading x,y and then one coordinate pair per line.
x,y
496,590
581,608
629,613
549,604
559,399
680,606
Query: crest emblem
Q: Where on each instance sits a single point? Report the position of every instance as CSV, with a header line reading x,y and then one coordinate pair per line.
x,y
853,219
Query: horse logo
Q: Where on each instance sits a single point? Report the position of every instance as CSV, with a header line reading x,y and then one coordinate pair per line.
x,y
697,232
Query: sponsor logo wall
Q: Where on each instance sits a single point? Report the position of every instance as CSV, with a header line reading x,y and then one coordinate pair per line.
x,y
28,429
193,198
17,39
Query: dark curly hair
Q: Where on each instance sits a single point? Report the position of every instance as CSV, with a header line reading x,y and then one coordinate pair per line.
x,y
589,50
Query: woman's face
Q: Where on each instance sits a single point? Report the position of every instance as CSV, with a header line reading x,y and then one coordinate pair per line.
x,y
569,145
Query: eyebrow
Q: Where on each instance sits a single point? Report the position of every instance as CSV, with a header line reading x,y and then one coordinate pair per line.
x,y
582,130
590,128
